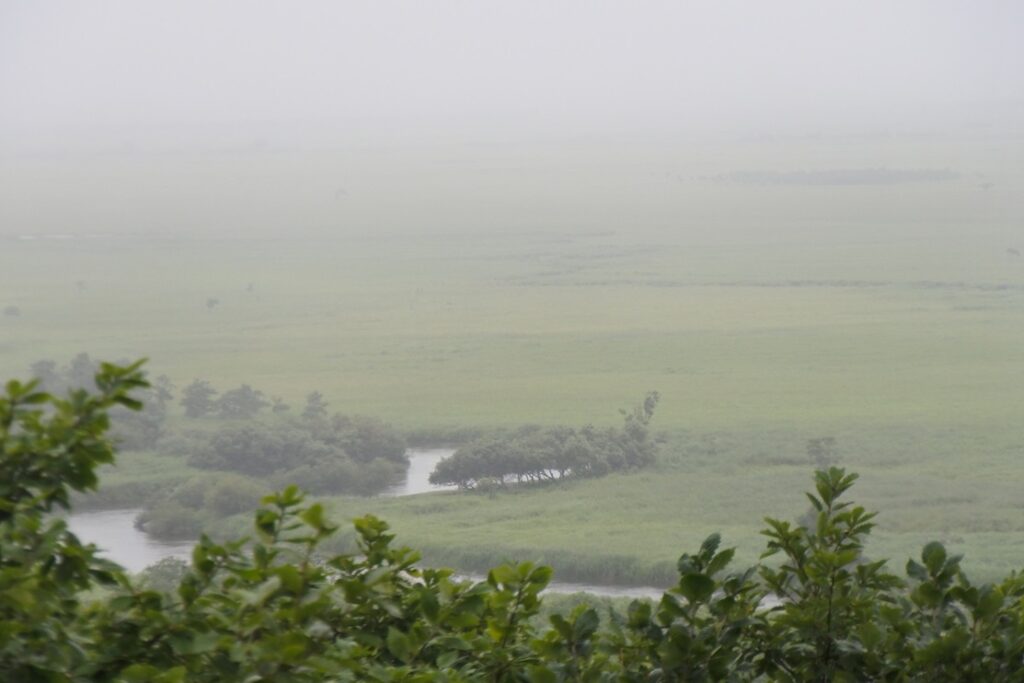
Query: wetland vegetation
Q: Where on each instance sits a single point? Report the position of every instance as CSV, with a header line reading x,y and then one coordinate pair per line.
x,y
469,335
557,289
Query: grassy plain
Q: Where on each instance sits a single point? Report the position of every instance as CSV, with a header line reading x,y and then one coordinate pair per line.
x,y
463,330
909,351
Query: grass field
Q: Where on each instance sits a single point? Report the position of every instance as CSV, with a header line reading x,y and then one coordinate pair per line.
x,y
632,528
508,331
908,350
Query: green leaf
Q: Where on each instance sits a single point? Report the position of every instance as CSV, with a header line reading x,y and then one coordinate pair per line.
x,y
710,545
696,587
639,613
399,645
192,643
561,625
989,603
453,643
129,403
446,659
916,571
934,557
720,561
539,674
503,574
585,625
290,577
139,673
540,577
175,675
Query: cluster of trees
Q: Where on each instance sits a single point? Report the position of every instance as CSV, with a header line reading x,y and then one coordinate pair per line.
x,y
142,429
274,609
193,504
340,454
535,454
200,399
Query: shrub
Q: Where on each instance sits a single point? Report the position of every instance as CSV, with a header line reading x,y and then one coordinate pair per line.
x,y
170,519
341,476
363,438
243,402
340,455
231,494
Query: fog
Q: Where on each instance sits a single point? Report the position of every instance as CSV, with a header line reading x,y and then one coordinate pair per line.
x,y
345,231
247,118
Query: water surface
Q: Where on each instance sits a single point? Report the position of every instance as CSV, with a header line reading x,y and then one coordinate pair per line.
x,y
115,533
422,462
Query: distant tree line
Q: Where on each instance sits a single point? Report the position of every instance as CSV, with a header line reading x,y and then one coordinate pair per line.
x,y
535,454
200,399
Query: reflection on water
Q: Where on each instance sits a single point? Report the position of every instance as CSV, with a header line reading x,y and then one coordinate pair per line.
x,y
417,478
114,532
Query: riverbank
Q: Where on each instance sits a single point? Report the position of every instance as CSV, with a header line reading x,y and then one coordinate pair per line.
x,y
631,528
116,533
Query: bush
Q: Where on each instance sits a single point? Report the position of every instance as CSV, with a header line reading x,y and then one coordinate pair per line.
x,y
164,576
338,476
340,455
170,519
362,438
341,476
232,494
191,493
243,402
259,450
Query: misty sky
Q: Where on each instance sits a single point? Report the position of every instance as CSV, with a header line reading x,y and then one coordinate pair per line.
x,y
71,69
239,117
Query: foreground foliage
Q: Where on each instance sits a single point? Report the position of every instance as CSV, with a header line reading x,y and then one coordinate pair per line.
x,y
273,609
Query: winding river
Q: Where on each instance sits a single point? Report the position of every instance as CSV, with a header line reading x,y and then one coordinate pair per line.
x,y
115,533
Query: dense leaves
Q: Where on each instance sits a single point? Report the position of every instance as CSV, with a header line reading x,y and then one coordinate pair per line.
x,y
275,608
337,455
352,455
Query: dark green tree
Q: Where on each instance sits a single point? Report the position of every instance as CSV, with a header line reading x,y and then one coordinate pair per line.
x,y
198,399
243,402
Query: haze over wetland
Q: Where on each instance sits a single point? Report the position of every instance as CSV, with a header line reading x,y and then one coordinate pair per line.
x,y
474,237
